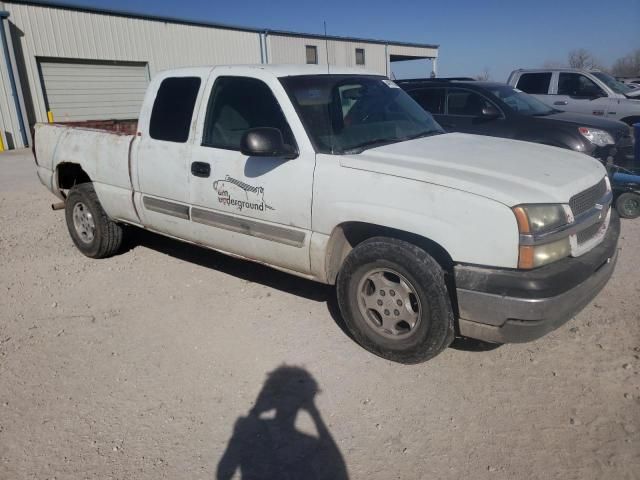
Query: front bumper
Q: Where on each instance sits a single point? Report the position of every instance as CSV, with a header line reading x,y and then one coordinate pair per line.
x,y
505,306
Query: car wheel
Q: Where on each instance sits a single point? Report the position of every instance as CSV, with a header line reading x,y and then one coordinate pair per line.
x,y
628,205
394,300
91,230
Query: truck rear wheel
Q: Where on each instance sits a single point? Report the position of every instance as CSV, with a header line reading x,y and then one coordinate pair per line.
x,y
394,300
91,230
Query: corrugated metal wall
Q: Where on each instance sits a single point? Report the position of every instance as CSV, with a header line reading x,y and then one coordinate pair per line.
x,y
60,33
287,49
41,33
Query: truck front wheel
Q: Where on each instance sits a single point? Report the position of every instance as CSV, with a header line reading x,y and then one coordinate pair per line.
x,y
628,205
90,228
394,300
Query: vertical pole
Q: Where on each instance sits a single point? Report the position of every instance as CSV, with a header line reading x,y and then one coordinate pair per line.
x,y
434,67
386,59
15,82
637,147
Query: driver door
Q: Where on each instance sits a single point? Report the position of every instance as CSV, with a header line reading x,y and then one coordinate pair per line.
x,y
577,93
256,207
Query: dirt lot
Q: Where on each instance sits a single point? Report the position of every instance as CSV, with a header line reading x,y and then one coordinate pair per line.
x,y
141,365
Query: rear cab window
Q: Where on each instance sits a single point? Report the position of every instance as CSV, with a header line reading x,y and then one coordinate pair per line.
x,y
173,109
535,83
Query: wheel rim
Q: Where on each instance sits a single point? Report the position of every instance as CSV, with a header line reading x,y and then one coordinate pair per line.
x,y
631,206
83,222
389,303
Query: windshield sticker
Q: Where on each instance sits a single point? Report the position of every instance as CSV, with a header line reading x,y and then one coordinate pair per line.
x,y
390,84
235,193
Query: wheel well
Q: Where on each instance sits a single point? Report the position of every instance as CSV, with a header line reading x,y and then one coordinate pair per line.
x,y
631,120
70,174
347,236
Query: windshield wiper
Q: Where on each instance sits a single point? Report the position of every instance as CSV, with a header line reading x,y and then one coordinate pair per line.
x,y
426,133
376,142
544,114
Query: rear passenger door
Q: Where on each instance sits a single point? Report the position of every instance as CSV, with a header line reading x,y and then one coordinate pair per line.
x,y
162,156
538,84
259,207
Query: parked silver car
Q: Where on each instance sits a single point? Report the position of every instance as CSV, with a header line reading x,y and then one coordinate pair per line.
x,y
581,91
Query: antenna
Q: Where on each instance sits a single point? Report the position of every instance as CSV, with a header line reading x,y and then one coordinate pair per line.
x,y
326,44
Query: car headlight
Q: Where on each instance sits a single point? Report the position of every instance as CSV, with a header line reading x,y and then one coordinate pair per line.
x,y
539,218
596,136
533,222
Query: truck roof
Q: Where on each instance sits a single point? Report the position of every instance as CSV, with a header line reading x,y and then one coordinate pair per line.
x,y
277,70
558,69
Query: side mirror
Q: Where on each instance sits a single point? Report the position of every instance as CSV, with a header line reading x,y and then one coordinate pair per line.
x,y
266,142
489,111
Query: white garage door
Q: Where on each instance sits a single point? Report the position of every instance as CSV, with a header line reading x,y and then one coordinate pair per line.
x,y
93,91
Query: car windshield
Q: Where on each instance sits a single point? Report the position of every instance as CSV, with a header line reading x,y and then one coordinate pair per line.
x,y
521,102
612,83
349,114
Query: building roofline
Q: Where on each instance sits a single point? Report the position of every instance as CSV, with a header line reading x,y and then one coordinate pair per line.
x,y
200,23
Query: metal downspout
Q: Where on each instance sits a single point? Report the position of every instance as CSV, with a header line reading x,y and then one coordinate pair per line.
x,y
12,79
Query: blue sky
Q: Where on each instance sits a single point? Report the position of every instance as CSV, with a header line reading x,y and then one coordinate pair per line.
x,y
473,35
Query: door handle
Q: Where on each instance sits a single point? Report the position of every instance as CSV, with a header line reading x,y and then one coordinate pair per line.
x,y
200,169
560,102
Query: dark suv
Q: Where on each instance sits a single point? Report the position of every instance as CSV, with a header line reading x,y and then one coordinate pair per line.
x,y
499,110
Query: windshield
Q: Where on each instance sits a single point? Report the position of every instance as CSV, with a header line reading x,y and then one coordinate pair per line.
x,y
521,102
612,83
348,114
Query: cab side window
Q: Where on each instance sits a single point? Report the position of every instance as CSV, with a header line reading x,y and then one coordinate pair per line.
x,y
535,83
238,104
431,99
577,85
173,109
466,103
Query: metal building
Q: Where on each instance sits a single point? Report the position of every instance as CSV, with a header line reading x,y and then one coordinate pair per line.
x,y
66,63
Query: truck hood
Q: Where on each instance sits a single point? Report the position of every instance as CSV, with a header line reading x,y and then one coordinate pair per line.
x,y
508,171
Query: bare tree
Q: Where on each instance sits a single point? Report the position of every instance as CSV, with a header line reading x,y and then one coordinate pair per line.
x,y
484,76
627,66
583,59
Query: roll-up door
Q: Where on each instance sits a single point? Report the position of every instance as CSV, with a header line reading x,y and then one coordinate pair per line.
x,y
81,91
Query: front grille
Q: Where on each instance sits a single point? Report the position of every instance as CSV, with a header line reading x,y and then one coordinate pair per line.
x,y
588,233
586,200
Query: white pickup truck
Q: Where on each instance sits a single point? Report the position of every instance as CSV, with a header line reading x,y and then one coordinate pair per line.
x,y
341,178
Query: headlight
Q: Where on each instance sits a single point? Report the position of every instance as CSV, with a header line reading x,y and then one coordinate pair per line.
x,y
539,218
535,220
596,136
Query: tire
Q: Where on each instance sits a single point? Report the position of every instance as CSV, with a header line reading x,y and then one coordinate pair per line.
x,y
94,234
422,325
628,205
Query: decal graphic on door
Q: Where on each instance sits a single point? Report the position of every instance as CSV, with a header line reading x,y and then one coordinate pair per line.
x,y
236,193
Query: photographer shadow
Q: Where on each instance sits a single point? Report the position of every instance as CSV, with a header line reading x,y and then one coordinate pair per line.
x,y
266,444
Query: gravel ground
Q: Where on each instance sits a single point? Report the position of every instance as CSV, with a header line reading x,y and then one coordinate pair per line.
x,y
154,364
